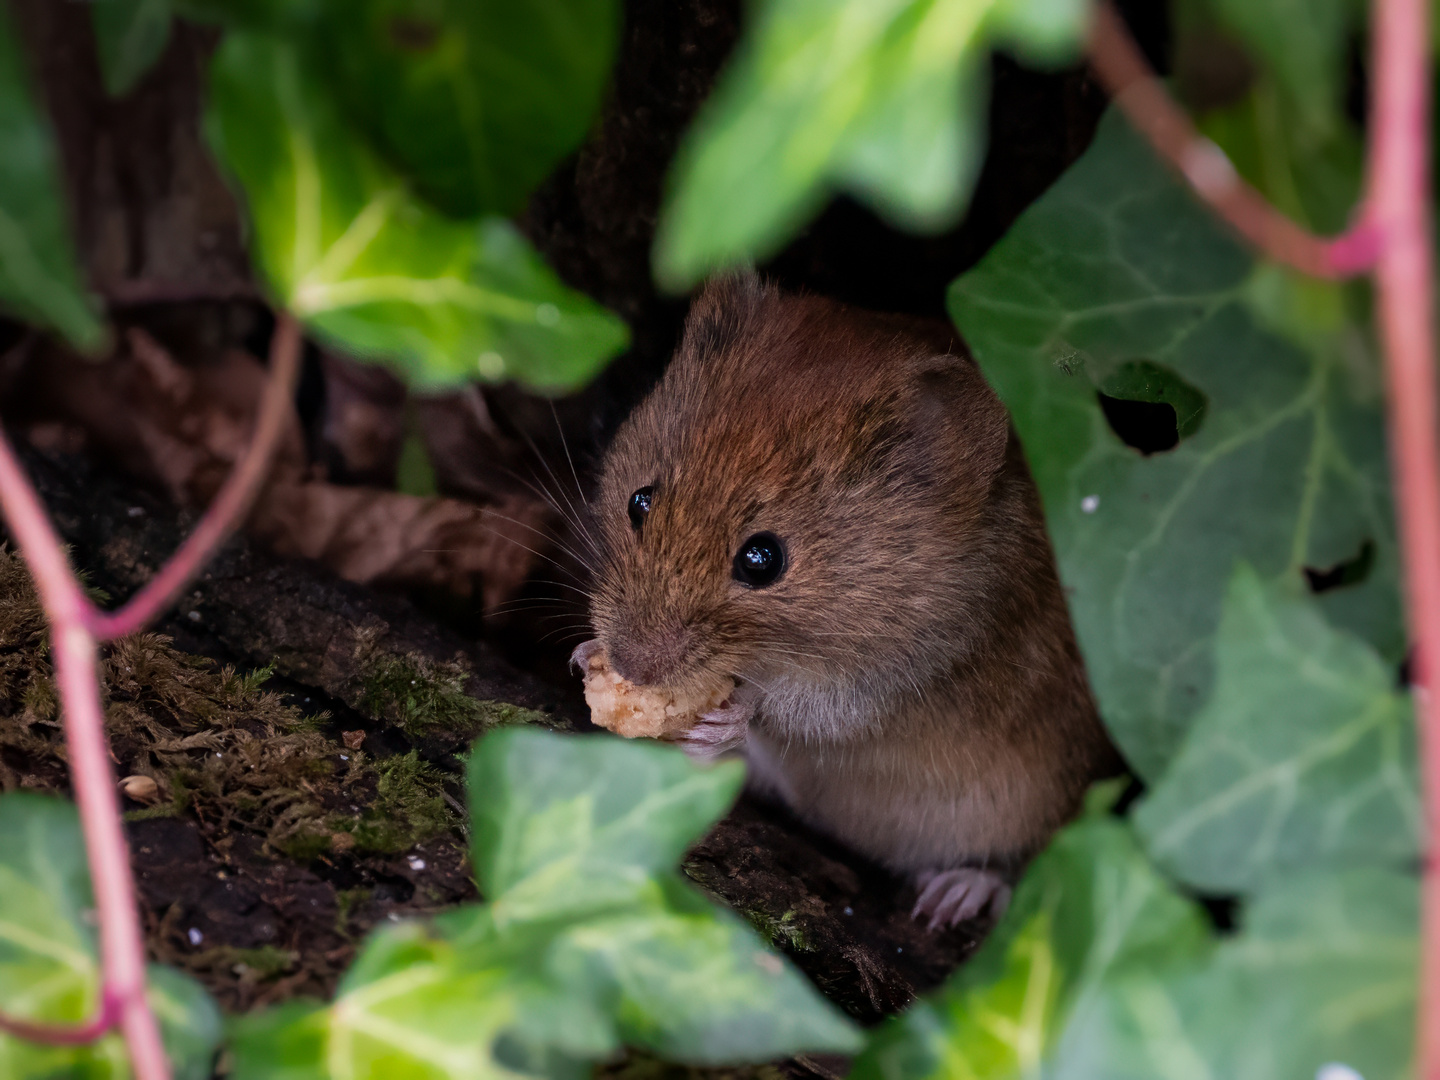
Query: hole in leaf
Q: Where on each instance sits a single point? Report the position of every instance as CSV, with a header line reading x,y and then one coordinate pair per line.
x,y
1352,571
1149,407
414,35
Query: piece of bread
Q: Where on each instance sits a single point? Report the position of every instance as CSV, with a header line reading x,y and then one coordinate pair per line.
x,y
643,711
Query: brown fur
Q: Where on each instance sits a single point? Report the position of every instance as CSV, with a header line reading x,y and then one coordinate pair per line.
x,y
921,694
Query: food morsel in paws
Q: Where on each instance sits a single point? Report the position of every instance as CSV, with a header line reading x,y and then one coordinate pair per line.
x,y
644,711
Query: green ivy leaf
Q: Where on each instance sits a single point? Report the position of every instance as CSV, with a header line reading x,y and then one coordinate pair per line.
x,y
611,812
130,35
1090,909
882,98
39,281
1324,971
371,269
1304,755
1286,469
476,103
49,969
590,939
286,16
1303,42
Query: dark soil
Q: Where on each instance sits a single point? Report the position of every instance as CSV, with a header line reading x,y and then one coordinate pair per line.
x,y
262,887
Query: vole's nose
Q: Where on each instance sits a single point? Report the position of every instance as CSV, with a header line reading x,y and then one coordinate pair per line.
x,y
651,656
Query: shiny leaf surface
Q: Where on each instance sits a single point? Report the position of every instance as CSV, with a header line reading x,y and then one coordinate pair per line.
x,y
345,246
1286,469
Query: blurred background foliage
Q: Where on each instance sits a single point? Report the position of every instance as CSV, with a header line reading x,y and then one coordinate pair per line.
x,y
1207,433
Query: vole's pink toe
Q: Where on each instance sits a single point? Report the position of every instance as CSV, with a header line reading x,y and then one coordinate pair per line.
x,y
949,897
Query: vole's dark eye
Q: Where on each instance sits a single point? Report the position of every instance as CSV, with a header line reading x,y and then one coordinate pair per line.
x,y
760,561
640,506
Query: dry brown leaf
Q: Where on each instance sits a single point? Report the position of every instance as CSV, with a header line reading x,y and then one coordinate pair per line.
x,y
184,427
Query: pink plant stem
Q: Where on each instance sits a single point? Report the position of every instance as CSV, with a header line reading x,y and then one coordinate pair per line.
x,y
229,505
76,628
73,647
1400,207
1392,235
1122,69
104,1019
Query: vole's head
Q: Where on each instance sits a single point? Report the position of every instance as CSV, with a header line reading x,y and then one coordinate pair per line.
x,y
798,500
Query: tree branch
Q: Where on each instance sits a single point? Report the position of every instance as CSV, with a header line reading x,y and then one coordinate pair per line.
x,y
1122,69
231,503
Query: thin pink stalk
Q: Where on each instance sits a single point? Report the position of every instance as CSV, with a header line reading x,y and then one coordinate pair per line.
x,y
76,628
1400,207
1392,235
105,1018
73,646
229,505
1123,71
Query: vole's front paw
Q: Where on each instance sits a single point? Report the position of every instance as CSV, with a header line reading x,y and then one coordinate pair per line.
x,y
580,658
717,732
949,897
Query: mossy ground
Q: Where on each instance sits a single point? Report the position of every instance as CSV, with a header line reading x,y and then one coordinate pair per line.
x,y
259,778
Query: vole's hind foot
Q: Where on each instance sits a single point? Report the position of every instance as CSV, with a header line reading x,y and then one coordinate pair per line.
x,y
949,897
717,732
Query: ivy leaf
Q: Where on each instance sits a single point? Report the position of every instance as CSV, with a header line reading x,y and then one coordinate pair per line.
x,y
1089,910
49,968
370,268
1303,42
1323,972
130,35
1305,754
39,281
1285,468
589,941
882,98
681,977
600,809
286,16
476,103
404,1009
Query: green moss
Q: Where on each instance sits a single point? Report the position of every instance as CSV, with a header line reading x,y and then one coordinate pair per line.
x,y
409,807
782,933
347,901
420,695
266,962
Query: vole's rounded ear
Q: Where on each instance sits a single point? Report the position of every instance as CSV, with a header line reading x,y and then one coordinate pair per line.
x,y
956,418
721,311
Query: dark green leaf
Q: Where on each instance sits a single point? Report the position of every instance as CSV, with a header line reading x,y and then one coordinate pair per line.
x,y
1089,910
190,1022
287,16
130,35
476,102
1323,973
1117,265
39,281
49,971
378,273
1313,177
1303,42
287,1042
699,986
252,14
883,98
1304,755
